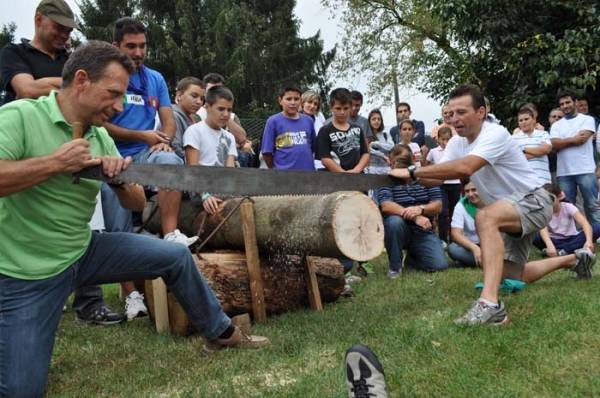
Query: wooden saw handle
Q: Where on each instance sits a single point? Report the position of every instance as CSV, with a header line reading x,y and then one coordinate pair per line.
x,y
77,130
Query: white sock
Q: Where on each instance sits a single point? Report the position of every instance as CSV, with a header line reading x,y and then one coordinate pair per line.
x,y
488,303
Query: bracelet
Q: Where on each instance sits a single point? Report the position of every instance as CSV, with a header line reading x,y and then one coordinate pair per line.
x,y
205,196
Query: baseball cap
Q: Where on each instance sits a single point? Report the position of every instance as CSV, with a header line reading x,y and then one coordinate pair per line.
x,y
58,11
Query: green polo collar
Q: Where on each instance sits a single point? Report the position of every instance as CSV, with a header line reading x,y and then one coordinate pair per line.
x,y
58,118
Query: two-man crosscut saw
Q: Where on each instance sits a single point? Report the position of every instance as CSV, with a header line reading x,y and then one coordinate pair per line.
x,y
241,181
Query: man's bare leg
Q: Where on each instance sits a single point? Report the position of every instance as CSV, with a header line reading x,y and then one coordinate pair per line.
x,y
169,203
535,270
491,221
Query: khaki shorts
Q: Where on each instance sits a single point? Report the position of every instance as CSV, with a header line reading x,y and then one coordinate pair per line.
x,y
535,212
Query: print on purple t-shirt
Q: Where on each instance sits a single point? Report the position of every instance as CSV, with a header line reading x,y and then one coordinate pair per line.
x,y
291,141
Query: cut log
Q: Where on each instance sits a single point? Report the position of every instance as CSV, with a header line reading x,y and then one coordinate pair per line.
x,y
343,224
284,284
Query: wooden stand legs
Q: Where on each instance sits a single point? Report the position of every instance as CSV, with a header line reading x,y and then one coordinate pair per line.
x,y
253,261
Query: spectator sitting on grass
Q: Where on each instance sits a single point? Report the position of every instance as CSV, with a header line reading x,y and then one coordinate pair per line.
x,y
561,237
289,136
189,98
208,143
408,212
464,249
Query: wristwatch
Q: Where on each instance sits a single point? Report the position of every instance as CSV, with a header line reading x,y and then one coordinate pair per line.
x,y
411,172
422,209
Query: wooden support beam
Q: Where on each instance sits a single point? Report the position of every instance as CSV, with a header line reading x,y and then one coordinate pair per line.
x,y
314,295
253,261
161,306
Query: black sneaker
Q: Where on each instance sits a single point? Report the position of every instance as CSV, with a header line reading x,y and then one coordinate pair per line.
x,y
364,373
102,315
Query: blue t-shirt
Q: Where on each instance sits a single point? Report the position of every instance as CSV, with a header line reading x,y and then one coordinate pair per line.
x,y
146,93
291,141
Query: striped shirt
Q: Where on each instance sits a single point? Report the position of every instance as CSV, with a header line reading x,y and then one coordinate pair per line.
x,y
539,164
409,195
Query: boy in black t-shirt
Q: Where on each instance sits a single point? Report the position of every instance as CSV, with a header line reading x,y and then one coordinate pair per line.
x,y
341,146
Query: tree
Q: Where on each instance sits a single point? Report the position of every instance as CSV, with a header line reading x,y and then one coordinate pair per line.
x,y
7,34
517,51
253,43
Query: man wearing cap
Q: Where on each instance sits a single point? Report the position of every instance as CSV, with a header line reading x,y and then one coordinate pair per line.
x,y
32,69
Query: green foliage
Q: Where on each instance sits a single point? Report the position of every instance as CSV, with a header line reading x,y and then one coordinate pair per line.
x,y
518,51
7,34
253,43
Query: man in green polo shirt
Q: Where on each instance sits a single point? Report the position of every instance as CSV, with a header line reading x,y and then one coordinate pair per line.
x,y
46,246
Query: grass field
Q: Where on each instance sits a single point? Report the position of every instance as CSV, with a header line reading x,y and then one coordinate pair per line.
x,y
552,348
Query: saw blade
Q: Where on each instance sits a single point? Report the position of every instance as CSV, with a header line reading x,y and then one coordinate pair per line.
x,y
242,181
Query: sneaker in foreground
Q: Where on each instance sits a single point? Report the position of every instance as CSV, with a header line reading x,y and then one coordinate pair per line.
x,y
102,315
483,314
364,373
238,339
134,305
584,264
394,274
178,237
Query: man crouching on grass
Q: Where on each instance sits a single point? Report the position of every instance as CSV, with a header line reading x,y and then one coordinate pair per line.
x,y
516,204
46,247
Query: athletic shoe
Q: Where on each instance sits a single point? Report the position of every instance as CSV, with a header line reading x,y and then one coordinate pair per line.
x,y
178,237
102,315
365,269
238,339
364,373
394,274
584,264
350,279
348,291
134,305
483,314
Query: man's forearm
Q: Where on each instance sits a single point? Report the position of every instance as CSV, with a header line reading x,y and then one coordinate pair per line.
x,y
37,88
459,238
454,169
19,175
131,197
238,132
541,150
392,208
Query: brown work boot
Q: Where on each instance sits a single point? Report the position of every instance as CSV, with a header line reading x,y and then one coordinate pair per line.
x,y
237,340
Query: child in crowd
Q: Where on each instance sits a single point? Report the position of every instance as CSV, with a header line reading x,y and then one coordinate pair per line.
x,y
289,136
342,148
381,145
450,188
534,143
207,143
407,132
311,107
561,237
189,98
464,249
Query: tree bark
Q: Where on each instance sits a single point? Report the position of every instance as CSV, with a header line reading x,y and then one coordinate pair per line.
x,y
284,284
343,224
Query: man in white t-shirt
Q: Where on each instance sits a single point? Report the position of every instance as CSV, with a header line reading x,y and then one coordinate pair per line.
x,y
207,143
516,206
572,139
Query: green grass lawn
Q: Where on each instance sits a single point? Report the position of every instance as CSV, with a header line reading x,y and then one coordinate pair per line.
x,y
552,348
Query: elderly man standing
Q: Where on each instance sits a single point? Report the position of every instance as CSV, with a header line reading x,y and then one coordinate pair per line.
x,y
35,180
32,69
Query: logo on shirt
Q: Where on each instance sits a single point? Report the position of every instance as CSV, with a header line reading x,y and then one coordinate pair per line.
x,y
290,139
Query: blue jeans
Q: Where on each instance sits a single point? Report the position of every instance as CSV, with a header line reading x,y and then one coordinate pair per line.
x,y
30,310
569,244
461,255
424,248
588,186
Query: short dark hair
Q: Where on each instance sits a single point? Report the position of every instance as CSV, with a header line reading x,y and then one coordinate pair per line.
x,y
93,57
525,110
444,131
127,26
376,112
341,95
184,83
402,155
356,95
406,104
472,90
289,86
216,93
213,78
565,92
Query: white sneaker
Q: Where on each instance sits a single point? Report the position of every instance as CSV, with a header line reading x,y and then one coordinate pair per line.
x,y
178,237
134,305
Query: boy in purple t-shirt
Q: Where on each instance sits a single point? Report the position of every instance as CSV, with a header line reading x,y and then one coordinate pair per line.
x,y
289,136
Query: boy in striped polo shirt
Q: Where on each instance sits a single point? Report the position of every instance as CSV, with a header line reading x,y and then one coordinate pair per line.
x,y
408,212
534,143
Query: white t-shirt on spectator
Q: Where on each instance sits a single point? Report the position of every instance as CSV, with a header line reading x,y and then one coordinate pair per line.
x,y
540,164
435,156
463,220
574,160
507,171
214,145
